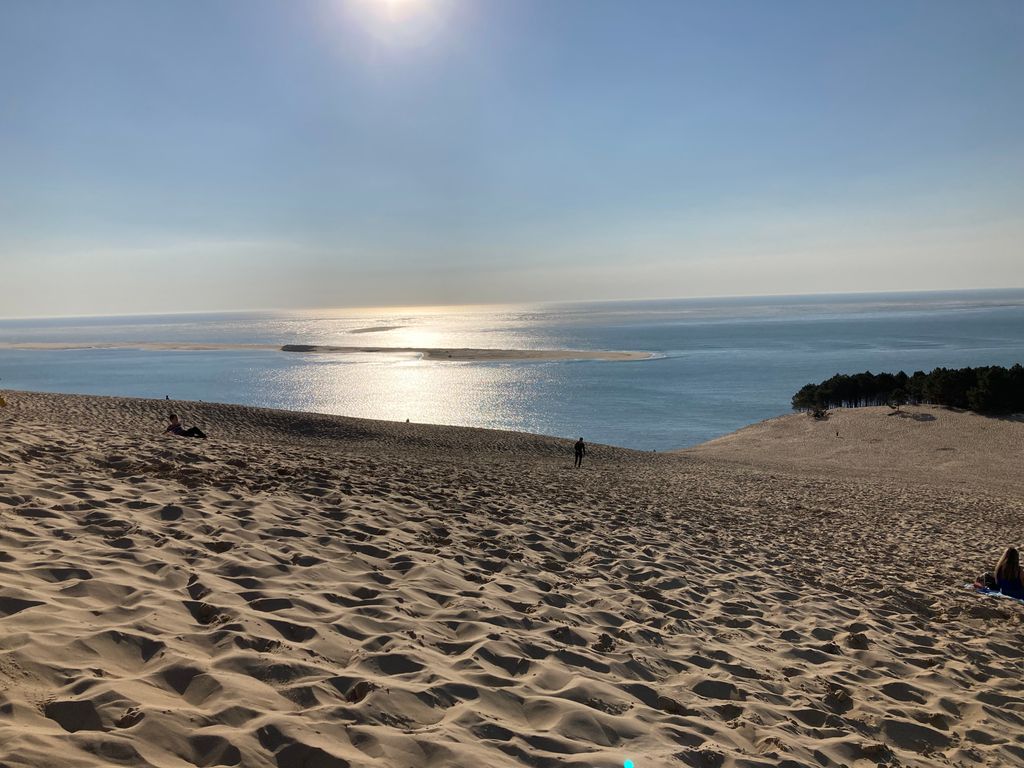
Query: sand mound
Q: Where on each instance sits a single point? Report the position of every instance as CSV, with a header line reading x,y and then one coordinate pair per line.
x,y
924,444
304,590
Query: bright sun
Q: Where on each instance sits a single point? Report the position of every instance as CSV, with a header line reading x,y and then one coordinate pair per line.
x,y
399,9
401,23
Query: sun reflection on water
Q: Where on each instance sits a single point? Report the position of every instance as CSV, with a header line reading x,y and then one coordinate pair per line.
x,y
417,327
400,387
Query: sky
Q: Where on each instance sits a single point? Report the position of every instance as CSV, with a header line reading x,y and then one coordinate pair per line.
x,y
180,155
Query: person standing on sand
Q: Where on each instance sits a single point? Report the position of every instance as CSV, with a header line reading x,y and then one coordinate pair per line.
x,y
581,451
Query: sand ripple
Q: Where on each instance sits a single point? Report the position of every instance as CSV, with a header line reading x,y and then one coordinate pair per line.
x,y
306,590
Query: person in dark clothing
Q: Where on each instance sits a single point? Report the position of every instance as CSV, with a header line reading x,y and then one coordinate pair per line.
x,y
581,451
175,428
1009,576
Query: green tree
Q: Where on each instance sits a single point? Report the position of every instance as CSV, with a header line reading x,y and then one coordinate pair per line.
x,y
897,398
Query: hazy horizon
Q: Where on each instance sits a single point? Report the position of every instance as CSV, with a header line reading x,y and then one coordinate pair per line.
x,y
840,296
237,155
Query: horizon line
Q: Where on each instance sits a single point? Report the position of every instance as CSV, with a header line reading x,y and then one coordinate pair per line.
x,y
554,302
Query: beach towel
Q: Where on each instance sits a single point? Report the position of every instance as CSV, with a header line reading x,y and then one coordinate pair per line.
x,y
983,590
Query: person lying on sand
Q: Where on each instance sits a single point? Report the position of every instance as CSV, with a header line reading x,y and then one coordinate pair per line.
x,y
175,428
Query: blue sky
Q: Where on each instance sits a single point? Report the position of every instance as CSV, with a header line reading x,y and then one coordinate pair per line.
x,y
222,154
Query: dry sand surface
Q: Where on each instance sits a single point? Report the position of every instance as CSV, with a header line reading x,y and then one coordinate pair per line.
x,y
924,444
308,591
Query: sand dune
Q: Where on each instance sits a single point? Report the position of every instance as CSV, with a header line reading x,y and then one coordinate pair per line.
x,y
305,590
924,444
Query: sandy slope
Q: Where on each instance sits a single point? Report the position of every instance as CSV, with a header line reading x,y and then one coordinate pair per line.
x,y
924,444
313,591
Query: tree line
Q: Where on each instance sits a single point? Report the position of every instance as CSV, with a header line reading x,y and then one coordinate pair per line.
x,y
990,389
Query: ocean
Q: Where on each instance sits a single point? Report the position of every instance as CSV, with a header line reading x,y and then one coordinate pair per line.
x,y
717,365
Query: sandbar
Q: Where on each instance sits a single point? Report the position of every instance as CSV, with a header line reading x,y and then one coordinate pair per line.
x,y
478,355
426,353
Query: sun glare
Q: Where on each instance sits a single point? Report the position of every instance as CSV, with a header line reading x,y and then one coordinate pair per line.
x,y
401,23
396,8
396,11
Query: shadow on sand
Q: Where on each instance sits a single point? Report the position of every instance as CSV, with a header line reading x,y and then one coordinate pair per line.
x,y
1017,417
914,416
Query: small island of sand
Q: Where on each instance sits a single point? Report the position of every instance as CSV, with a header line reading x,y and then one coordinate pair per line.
x,y
309,590
426,353
477,355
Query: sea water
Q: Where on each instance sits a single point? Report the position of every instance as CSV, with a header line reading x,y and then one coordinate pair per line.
x,y
717,364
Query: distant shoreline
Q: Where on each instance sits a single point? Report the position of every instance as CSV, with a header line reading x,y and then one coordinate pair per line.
x,y
426,353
